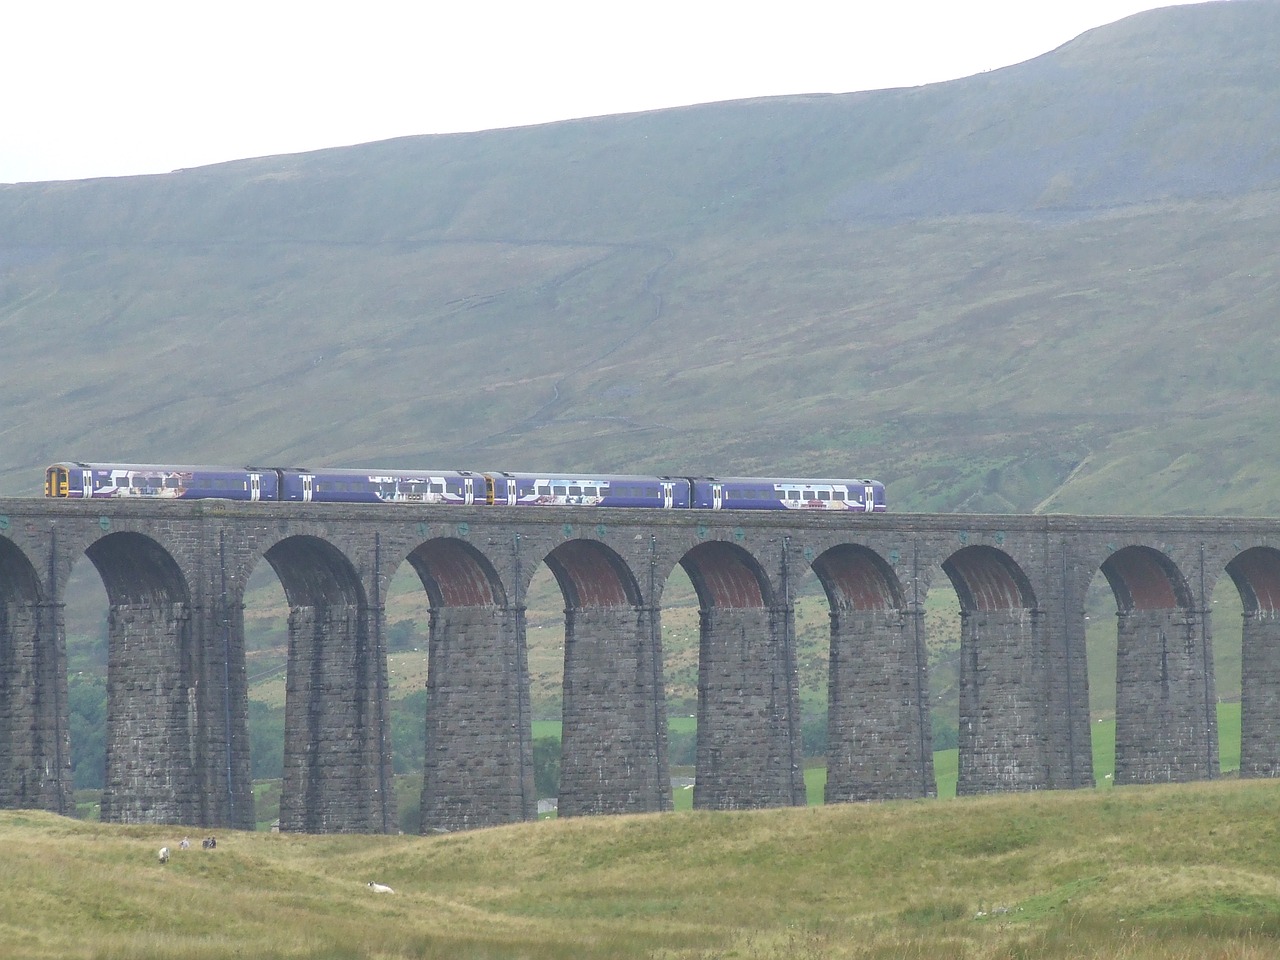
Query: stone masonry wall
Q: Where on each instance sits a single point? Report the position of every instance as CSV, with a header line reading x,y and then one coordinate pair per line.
x,y
151,774
878,738
1003,739
1166,725
613,756
1260,697
749,751
479,753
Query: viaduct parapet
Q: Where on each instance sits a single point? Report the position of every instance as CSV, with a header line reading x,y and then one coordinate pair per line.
x,y
177,718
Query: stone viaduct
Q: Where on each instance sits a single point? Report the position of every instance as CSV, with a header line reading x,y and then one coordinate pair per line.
x,y
177,716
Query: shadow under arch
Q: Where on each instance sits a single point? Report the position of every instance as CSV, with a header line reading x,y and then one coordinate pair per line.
x,y
1006,731
878,730
1166,723
159,715
35,740
337,763
614,718
749,751
478,750
1256,575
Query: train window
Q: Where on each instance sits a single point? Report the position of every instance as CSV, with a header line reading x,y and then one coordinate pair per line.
x,y
824,495
793,494
437,488
560,491
544,490
837,495
589,492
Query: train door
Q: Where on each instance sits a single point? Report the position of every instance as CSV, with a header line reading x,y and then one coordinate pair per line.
x,y
255,486
86,483
717,496
668,496
869,503
308,486
468,491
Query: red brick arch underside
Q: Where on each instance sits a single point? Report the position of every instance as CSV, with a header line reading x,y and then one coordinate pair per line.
x,y
856,578
1145,579
455,574
988,579
726,576
1256,574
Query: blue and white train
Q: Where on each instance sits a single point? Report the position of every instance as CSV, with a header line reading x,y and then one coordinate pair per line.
x,y
153,481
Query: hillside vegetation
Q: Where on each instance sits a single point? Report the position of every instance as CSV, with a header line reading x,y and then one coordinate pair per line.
x,y
1049,287
1152,873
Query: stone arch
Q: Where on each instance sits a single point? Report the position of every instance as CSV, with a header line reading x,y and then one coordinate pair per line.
x,y
727,577
1256,574
593,575
478,756
749,752
878,743
1166,727
19,582
135,569
987,579
856,578
456,574
1145,579
337,764
154,769
614,718
35,745
1004,667
315,573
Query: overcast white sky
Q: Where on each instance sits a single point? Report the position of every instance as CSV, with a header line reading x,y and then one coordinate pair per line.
x,y
92,88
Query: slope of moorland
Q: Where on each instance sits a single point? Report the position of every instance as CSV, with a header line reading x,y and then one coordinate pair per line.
x,y
1048,287
1145,873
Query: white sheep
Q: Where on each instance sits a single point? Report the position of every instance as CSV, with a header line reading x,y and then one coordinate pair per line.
x,y
380,887
164,854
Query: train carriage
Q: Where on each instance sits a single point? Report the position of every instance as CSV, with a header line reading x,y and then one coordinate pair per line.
x,y
381,486
623,490
760,493
95,481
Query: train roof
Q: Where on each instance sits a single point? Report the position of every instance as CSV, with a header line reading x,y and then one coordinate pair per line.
x,y
792,481
156,467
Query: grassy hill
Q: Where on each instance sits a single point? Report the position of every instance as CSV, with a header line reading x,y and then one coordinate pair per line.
x,y
1152,873
1047,287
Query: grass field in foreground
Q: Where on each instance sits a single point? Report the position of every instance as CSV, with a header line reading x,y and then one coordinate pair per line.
x,y
1146,873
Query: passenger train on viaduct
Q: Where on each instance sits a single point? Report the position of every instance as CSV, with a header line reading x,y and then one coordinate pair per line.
x,y
463,487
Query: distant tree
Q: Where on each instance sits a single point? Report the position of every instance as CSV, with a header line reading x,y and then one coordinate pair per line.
x,y
682,748
401,636
266,741
87,707
408,732
546,766
813,734
946,735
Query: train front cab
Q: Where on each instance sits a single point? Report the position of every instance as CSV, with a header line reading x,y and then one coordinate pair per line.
x,y
57,481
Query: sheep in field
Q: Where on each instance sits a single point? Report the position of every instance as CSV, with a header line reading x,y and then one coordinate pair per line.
x,y
380,887
164,854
